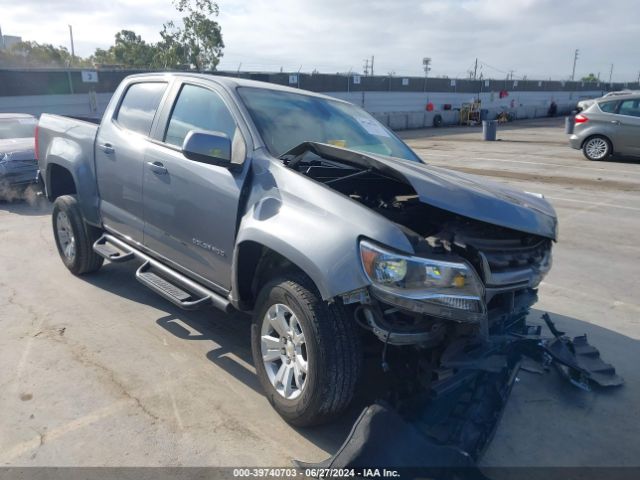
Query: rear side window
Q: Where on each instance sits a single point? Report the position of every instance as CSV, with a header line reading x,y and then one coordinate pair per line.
x,y
198,109
608,107
630,107
139,106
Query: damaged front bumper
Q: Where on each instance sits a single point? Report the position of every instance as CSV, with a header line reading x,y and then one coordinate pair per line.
x,y
442,430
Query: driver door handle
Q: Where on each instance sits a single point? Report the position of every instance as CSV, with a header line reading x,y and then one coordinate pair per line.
x,y
107,148
157,168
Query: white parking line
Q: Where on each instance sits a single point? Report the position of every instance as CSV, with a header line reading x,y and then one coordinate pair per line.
x,y
594,204
506,160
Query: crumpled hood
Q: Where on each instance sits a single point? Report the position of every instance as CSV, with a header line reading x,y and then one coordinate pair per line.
x,y
467,195
475,197
18,148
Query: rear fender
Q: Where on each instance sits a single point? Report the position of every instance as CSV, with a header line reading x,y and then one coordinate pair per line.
x,y
69,154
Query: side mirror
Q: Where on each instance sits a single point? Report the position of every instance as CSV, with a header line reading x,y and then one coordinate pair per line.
x,y
207,147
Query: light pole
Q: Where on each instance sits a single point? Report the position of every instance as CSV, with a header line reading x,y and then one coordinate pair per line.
x,y
610,75
575,59
426,65
73,52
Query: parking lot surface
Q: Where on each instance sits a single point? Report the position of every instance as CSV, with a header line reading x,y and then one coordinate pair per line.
x,y
99,371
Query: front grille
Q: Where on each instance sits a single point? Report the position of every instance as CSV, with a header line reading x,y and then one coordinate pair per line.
x,y
509,256
510,261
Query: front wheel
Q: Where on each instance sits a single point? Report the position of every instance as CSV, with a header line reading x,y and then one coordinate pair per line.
x,y
596,148
74,238
306,352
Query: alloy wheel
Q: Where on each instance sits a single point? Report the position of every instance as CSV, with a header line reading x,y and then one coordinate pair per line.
x,y
284,351
597,148
66,238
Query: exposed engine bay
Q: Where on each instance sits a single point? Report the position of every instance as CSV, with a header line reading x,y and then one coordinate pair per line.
x,y
509,263
449,368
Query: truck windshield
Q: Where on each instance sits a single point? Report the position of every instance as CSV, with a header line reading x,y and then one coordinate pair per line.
x,y
286,120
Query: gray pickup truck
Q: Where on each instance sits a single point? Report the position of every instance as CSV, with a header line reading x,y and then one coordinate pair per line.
x,y
303,210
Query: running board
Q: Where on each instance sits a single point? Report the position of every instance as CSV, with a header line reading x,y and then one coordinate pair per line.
x,y
152,279
166,282
110,252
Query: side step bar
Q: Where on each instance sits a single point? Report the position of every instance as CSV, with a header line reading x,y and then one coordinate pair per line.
x,y
166,282
108,251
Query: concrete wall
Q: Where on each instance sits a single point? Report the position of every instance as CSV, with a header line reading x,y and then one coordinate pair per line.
x,y
82,104
379,102
398,110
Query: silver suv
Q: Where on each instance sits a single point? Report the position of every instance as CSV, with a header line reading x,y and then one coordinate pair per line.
x,y
608,126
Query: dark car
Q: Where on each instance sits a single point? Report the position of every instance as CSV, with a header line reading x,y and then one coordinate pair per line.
x,y
18,164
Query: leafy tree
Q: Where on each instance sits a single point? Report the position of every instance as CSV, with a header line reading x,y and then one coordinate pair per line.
x,y
196,42
590,78
34,54
199,40
101,56
129,50
170,52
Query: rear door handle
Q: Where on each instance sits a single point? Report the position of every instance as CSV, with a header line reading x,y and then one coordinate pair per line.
x,y
615,122
107,148
157,168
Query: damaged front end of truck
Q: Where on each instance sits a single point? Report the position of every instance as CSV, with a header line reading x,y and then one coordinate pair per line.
x,y
450,317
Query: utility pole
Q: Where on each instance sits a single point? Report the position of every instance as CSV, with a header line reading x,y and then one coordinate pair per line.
x,y
510,76
73,52
575,59
372,59
475,70
610,74
366,67
426,65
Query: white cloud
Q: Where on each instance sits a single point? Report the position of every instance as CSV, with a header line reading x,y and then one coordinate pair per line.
x,y
535,38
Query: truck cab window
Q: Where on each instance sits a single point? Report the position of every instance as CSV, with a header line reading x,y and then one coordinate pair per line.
x,y
198,108
139,105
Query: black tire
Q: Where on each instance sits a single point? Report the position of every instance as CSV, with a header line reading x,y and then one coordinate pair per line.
x,y
84,259
333,351
437,120
603,151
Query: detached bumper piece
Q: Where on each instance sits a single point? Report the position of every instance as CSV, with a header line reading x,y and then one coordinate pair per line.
x,y
578,361
382,439
442,432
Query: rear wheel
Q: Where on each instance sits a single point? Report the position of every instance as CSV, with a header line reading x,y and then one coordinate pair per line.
x,y
596,148
306,352
74,238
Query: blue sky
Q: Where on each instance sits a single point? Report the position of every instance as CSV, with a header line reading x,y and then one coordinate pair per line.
x,y
535,38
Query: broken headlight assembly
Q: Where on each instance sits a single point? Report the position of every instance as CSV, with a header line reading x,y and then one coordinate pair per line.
x,y
442,287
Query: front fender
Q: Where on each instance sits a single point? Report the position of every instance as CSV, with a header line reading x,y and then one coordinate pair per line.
x,y
321,242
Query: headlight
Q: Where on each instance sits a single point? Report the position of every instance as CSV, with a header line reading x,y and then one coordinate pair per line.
x,y
433,286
